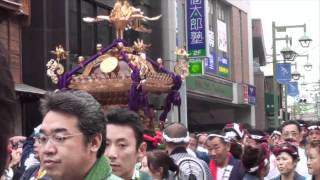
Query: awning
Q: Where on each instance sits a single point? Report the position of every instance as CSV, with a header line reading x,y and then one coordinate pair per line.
x,y
11,5
24,88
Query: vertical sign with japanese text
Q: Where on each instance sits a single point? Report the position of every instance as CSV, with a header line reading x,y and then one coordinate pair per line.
x,y
223,68
222,36
252,94
196,35
211,64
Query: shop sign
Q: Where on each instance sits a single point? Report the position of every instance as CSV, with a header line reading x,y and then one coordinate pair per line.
x,y
196,36
222,36
251,94
223,68
211,64
209,87
196,67
245,94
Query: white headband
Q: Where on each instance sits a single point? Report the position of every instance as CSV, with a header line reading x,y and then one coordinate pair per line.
x,y
253,136
313,127
226,139
176,140
276,133
253,169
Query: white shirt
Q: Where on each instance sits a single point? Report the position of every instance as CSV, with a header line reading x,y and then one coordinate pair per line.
x,y
302,167
220,172
191,152
224,173
273,172
202,149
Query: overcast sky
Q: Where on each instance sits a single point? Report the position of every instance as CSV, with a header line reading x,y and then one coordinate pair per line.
x,y
291,12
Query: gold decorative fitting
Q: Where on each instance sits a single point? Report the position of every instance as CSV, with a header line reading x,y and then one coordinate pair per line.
x,y
181,52
60,53
99,47
109,64
182,69
124,16
54,68
139,46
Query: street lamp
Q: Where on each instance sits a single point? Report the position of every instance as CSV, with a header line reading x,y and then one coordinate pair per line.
x,y
288,54
295,75
304,41
307,66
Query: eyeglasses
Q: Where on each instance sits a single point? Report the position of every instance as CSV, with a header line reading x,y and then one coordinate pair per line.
x,y
288,134
56,139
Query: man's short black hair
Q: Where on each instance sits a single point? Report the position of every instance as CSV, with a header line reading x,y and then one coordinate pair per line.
x,y
286,123
125,117
83,106
302,123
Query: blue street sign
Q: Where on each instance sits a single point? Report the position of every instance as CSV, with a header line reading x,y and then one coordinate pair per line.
x,y
283,73
293,89
196,35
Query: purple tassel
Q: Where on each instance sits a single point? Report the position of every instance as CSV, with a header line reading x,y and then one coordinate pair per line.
x,y
173,97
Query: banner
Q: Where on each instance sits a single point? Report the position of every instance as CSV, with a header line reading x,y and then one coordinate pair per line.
x,y
293,89
210,64
196,35
283,73
222,36
251,94
223,67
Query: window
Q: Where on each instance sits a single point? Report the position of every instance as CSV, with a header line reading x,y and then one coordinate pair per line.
x,y
220,12
83,37
219,62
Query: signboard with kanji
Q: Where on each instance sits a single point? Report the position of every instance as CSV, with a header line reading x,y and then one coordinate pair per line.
x,y
210,64
223,68
196,34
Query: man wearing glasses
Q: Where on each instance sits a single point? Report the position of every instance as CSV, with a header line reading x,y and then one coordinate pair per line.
x,y
72,137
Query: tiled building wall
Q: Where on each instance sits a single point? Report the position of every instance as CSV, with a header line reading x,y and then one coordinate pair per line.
x,y
239,45
10,37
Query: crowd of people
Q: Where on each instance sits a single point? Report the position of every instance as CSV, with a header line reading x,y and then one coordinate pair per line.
x,y
77,140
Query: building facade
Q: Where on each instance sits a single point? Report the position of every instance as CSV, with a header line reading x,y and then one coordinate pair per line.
x,y
225,92
14,16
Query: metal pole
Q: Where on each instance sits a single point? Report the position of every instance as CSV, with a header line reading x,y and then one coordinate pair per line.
x,y
274,55
286,88
286,102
